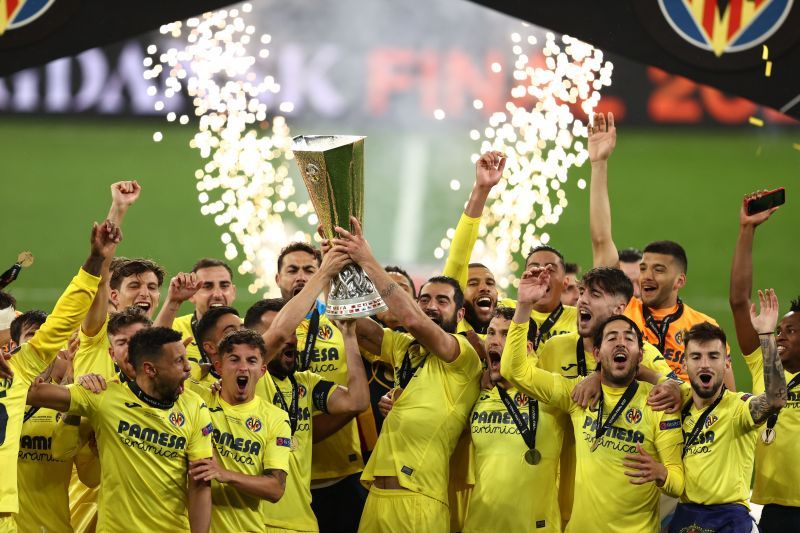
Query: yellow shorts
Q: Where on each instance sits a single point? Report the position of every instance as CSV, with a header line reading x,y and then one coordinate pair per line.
x,y
7,523
403,511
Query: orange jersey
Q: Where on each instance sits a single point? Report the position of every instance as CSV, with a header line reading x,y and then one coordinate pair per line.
x,y
680,319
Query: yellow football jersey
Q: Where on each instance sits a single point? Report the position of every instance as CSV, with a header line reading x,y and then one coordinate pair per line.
x,y
340,454
144,453
567,321
93,356
293,511
31,359
502,474
615,501
43,479
249,438
457,264
422,430
777,480
719,464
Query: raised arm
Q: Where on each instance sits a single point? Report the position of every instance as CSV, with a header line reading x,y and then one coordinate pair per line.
x,y
286,321
774,397
602,140
416,322
355,398
181,287
488,171
123,195
742,277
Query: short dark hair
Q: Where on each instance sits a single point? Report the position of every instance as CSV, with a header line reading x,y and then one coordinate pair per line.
x,y
458,294
704,332
148,344
132,267
243,336
507,313
6,300
27,319
610,280
209,321
630,255
127,317
253,316
670,248
795,306
546,248
598,335
209,262
299,247
402,272
572,268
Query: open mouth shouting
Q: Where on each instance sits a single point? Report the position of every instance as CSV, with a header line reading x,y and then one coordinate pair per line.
x,y
484,303
144,306
494,359
436,317
297,288
241,383
620,358
584,317
705,379
649,289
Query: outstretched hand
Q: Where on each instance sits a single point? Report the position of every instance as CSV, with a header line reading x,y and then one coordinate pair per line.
x,y
767,319
533,285
353,242
125,193
489,169
182,287
757,218
602,137
105,238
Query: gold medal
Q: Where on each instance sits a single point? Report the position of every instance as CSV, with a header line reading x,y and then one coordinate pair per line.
x,y
295,444
25,259
768,436
533,456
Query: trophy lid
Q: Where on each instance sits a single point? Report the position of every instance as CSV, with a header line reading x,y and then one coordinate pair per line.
x,y
322,143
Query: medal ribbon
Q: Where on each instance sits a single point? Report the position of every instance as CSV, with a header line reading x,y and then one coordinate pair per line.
x,y
580,357
311,340
546,325
528,433
615,413
146,398
773,419
406,371
698,426
294,408
660,328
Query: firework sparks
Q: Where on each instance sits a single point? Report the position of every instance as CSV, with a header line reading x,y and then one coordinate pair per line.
x,y
244,183
542,138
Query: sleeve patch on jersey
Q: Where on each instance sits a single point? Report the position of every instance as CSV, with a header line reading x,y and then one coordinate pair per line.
x,y
745,396
320,395
670,424
207,430
283,441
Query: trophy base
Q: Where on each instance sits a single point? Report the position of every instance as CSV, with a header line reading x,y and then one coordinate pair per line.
x,y
360,307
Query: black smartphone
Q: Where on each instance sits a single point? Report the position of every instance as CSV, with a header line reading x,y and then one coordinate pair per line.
x,y
766,201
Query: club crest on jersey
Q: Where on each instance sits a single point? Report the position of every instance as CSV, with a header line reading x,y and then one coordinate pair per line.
x,y
710,420
253,424
694,528
679,337
633,416
59,416
325,332
177,419
520,399
724,27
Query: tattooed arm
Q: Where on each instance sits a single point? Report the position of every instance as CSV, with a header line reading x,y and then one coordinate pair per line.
x,y
774,397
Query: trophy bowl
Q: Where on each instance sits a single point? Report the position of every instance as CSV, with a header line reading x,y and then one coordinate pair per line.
x,y
332,167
